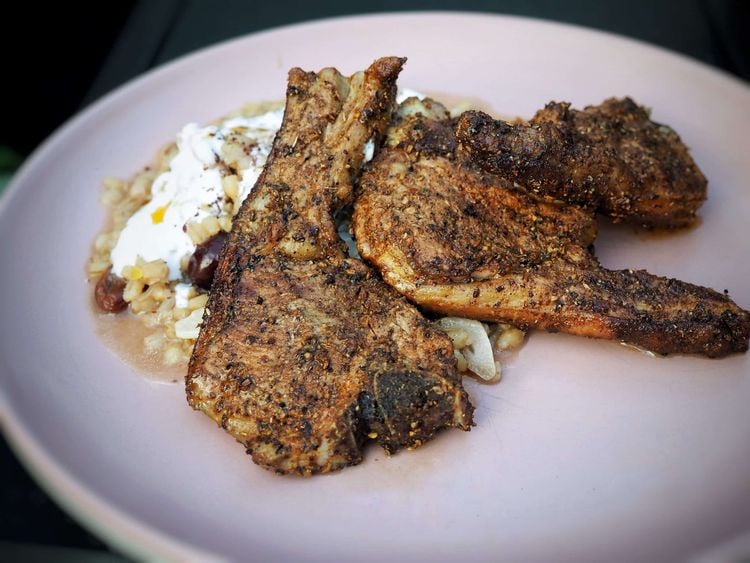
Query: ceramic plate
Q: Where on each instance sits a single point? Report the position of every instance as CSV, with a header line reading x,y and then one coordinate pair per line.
x,y
586,450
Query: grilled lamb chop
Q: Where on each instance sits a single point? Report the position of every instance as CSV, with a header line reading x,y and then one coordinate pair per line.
x,y
457,240
304,353
611,158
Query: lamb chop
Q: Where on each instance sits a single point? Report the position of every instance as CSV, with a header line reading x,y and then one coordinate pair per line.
x,y
611,158
305,354
460,241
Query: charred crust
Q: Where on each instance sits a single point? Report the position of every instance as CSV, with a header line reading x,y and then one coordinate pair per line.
x,y
453,226
610,157
288,358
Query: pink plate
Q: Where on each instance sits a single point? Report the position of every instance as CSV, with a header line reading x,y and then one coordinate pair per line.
x,y
585,451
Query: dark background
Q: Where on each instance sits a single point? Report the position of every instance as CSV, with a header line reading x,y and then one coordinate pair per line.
x,y
60,58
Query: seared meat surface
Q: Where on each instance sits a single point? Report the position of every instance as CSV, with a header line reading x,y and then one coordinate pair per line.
x,y
458,240
304,354
611,158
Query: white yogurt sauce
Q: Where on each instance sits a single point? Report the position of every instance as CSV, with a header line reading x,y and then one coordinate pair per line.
x,y
182,295
191,190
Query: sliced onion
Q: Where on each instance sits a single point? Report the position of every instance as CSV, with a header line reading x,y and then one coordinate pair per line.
x,y
474,343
